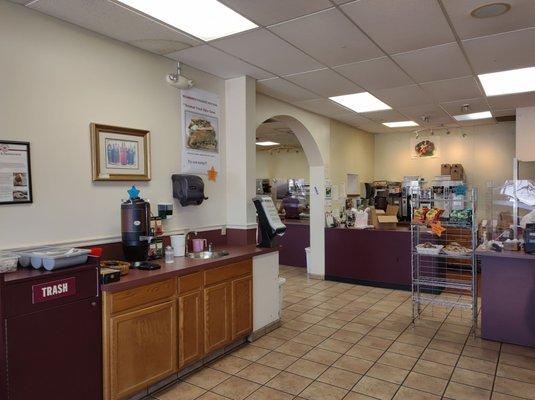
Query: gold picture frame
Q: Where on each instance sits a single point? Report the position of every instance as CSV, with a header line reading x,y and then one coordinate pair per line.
x,y
119,154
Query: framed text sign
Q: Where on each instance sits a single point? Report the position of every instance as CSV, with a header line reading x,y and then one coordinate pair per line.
x,y
15,173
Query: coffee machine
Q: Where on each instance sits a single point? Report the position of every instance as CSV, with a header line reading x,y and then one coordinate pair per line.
x,y
135,227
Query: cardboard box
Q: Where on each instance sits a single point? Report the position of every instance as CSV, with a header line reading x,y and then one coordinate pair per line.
x,y
457,174
445,169
385,220
457,166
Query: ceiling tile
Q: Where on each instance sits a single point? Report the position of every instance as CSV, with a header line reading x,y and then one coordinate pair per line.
x,y
433,111
403,96
399,26
384,116
453,89
434,63
353,119
521,15
270,12
115,21
325,82
475,105
477,122
284,90
323,107
512,101
378,73
502,51
215,62
265,50
329,37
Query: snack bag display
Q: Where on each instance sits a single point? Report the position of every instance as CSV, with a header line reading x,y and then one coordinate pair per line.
x,y
419,215
437,228
433,215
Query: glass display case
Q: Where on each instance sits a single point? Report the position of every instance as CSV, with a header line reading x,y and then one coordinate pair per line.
x,y
509,204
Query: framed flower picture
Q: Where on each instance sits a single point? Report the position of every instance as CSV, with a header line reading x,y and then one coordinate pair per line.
x,y
119,154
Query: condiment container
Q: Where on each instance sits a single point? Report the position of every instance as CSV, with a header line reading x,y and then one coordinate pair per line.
x,y
169,255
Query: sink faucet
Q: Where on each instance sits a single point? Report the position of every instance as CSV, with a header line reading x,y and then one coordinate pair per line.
x,y
186,238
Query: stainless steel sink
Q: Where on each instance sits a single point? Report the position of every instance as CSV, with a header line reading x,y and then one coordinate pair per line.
x,y
204,255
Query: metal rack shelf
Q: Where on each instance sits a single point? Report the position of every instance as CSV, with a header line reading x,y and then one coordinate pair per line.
x,y
445,280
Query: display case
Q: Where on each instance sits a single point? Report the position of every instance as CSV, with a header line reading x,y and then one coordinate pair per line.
x,y
444,269
508,203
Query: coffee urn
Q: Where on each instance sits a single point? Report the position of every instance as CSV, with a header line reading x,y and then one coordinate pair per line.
x,y
135,227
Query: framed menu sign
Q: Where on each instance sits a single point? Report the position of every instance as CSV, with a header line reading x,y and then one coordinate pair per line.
x,y
15,173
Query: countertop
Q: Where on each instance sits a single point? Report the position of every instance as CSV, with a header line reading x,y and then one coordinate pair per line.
x,y
296,221
183,266
505,254
402,228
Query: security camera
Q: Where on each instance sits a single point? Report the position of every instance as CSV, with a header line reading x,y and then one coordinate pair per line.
x,y
178,81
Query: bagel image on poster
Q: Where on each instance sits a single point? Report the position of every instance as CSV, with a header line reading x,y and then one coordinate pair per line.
x,y
201,132
425,147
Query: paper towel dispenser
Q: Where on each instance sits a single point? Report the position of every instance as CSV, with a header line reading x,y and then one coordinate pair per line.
x,y
188,189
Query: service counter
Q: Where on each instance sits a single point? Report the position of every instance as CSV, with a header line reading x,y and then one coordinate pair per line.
x,y
508,296
369,256
293,243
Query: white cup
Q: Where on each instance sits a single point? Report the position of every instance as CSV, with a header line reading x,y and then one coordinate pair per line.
x,y
178,242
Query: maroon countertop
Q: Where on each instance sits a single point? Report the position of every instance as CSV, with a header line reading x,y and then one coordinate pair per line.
x,y
29,273
296,222
183,266
399,228
506,254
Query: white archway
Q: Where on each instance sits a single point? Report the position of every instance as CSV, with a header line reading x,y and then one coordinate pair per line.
x,y
316,164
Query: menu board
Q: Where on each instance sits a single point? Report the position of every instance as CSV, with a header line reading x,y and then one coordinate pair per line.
x,y
15,173
271,213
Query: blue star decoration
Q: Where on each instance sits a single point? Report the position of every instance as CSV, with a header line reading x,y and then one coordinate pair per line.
x,y
133,192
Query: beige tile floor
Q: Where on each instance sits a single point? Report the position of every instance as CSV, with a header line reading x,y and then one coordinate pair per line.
x,y
351,342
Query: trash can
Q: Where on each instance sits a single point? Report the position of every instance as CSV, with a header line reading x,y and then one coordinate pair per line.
x,y
309,258
282,281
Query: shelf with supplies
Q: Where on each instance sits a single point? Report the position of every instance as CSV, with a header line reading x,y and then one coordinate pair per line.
x,y
444,237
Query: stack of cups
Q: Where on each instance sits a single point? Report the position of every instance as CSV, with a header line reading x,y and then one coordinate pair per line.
x,y
178,242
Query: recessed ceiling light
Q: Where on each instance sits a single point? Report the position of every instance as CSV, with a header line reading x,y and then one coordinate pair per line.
x,y
470,117
205,19
361,102
490,10
267,143
400,124
507,82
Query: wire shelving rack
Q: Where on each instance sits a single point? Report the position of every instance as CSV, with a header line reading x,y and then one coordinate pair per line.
x,y
445,281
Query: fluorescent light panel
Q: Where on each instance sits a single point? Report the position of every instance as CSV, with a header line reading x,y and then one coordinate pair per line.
x,y
205,19
267,143
361,102
508,82
472,116
400,124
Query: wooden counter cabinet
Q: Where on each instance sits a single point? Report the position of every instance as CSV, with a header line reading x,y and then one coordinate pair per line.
x,y
154,330
190,319
139,338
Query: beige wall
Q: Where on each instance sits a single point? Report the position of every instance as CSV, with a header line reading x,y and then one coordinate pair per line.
x,y
56,80
486,154
525,133
282,165
352,152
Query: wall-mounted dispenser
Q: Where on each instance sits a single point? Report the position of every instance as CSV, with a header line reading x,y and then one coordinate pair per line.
x,y
188,189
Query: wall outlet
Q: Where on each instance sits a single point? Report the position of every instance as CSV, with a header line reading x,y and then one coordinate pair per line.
x,y
224,230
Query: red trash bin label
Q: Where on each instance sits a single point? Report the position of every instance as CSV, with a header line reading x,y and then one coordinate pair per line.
x,y
53,290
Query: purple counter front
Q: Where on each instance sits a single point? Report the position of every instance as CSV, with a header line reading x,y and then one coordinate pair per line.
x,y
372,257
293,243
508,297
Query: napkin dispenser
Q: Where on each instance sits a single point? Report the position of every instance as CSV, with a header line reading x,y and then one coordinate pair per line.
x,y
188,189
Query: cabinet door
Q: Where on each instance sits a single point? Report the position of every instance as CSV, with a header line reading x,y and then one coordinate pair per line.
x,y
242,306
190,328
142,348
217,315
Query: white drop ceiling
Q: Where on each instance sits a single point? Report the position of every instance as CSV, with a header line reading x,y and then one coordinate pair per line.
x,y
421,57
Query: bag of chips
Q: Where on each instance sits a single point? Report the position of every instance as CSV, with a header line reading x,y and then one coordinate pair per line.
x,y
419,215
433,215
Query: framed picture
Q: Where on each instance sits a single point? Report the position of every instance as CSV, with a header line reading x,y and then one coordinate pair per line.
x,y
15,173
426,147
119,154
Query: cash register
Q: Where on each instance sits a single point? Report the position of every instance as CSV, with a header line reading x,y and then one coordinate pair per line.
x,y
270,225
